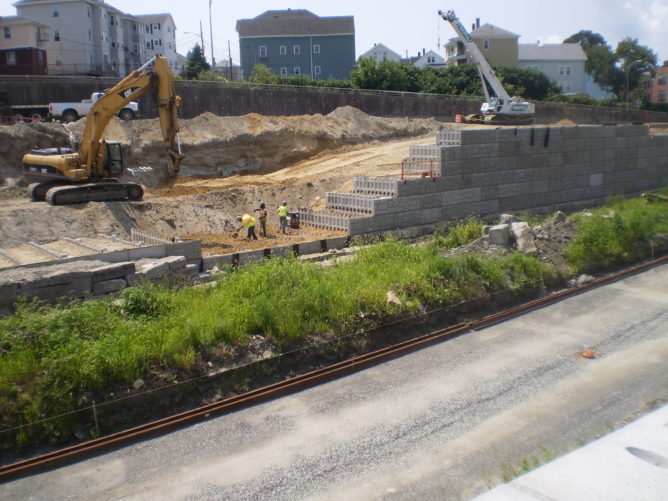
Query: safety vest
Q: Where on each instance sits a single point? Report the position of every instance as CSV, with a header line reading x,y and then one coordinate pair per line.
x,y
248,220
283,210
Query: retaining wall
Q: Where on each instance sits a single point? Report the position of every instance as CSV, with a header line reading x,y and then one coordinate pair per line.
x,y
234,99
510,169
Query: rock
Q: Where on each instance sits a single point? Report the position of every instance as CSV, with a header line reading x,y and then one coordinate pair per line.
x,y
392,298
485,230
138,384
584,279
523,238
499,235
508,219
559,217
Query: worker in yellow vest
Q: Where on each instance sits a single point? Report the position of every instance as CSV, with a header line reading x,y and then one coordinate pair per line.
x,y
283,216
249,222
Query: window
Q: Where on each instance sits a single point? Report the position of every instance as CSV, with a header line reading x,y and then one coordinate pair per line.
x,y
297,70
662,77
568,70
485,44
157,43
662,97
56,36
148,44
295,49
284,71
88,11
263,50
8,32
56,12
283,50
89,35
156,26
316,49
111,20
148,28
317,70
11,57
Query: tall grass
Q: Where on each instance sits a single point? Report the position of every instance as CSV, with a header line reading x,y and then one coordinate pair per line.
x,y
51,356
617,234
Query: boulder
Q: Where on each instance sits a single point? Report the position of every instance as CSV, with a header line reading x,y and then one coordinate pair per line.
x,y
499,235
524,240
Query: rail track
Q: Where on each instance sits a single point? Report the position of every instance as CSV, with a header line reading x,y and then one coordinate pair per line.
x,y
116,440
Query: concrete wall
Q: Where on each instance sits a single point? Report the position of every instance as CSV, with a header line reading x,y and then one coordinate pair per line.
x,y
509,169
235,100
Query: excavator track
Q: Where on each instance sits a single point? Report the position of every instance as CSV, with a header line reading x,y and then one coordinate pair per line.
x,y
498,119
107,191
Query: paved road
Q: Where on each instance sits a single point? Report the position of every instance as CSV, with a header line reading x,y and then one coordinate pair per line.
x,y
447,422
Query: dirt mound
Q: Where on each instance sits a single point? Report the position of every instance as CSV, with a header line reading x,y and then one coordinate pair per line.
x,y
17,140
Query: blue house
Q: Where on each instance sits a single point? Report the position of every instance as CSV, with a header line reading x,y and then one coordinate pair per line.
x,y
297,42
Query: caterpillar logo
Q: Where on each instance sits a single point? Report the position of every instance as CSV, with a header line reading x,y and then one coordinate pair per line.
x,y
519,107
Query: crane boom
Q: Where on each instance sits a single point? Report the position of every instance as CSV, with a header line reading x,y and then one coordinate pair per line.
x,y
501,108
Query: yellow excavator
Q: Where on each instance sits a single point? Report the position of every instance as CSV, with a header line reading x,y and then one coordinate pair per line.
x,y
63,176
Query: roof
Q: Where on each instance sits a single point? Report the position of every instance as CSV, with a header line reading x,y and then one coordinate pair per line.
x,y
551,52
380,47
489,31
294,22
153,17
14,20
438,59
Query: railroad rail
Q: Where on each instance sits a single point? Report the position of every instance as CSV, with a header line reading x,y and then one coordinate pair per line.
x,y
298,383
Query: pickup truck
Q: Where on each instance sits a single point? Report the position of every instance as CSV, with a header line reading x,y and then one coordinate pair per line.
x,y
67,112
71,112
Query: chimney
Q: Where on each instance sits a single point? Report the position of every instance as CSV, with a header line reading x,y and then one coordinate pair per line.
x,y
424,51
477,22
472,26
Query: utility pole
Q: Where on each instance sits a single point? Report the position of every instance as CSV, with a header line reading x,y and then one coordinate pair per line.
x,y
229,54
213,59
201,37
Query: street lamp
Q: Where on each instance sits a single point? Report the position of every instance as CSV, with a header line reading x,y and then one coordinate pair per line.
x,y
213,59
628,71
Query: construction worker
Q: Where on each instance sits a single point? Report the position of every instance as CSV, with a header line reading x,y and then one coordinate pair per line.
x,y
262,218
283,216
249,222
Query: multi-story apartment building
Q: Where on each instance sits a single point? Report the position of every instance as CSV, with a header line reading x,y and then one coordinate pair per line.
x,y
93,37
655,85
158,36
297,42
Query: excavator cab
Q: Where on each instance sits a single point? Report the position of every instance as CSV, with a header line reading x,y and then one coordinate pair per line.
x,y
113,163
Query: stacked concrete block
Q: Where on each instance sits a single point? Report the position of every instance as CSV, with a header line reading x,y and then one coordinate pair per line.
x,y
327,221
375,186
350,202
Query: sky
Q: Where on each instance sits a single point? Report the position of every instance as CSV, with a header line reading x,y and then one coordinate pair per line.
x,y
407,27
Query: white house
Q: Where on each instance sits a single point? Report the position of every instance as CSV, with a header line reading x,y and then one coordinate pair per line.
x,y
564,63
158,36
430,58
380,53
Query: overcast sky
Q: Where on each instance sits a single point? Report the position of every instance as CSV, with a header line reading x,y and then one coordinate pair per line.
x,y
406,26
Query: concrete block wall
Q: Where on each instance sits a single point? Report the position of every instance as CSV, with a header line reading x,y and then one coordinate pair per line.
x,y
509,169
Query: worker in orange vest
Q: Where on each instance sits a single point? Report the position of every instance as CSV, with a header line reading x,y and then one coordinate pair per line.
x,y
249,222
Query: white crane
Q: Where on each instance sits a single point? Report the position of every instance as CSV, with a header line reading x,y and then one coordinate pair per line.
x,y
498,109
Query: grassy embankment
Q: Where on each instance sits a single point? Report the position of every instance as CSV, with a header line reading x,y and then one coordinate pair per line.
x,y
51,356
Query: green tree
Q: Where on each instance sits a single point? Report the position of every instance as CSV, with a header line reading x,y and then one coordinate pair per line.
x,y
263,75
601,59
633,60
195,63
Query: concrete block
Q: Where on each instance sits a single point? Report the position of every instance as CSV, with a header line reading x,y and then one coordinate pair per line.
x,y
314,247
175,263
499,234
51,294
109,286
431,200
595,179
282,251
471,209
152,252
336,243
192,270
9,292
117,256
190,249
523,237
154,271
457,197
515,189
220,261
111,271
429,216
251,256
479,136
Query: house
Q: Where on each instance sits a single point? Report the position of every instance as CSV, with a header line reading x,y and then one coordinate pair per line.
x,y
429,58
563,62
499,46
298,42
380,52
21,51
230,72
655,85
158,36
